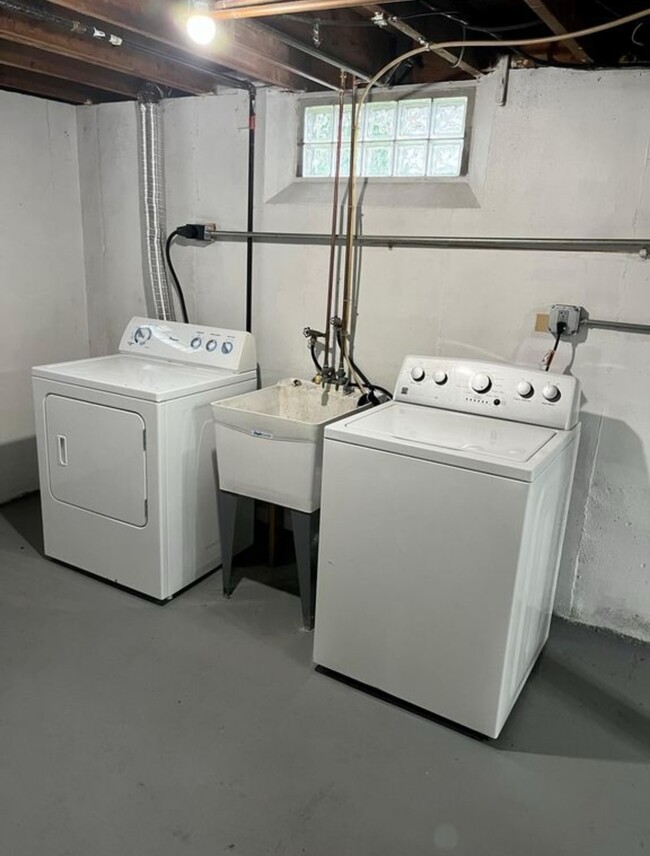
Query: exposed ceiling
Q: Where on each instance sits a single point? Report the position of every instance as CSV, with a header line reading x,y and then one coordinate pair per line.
x,y
90,51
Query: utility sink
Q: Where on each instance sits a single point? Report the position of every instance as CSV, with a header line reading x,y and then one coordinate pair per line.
x,y
270,442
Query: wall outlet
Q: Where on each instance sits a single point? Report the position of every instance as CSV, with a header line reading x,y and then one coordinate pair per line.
x,y
567,315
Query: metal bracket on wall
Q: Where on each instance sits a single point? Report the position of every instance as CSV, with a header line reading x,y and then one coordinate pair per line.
x,y
502,72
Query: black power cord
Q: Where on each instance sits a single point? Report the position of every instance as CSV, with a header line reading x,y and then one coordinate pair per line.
x,y
561,327
203,232
172,270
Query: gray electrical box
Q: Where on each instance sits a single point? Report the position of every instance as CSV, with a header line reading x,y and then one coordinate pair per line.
x,y
568,315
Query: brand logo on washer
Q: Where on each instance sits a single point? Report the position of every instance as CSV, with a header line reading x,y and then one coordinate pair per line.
x,y
266,435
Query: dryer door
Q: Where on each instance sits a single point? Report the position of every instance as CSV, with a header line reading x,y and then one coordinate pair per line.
x,y
97,458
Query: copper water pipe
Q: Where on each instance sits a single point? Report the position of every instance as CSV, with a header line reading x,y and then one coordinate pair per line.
x,y
351,223
333,242
259,8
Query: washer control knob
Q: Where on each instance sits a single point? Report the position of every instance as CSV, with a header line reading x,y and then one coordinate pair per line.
x,y
227,347
195,343
481,382
525,389
417,373
551,392
142,335
211,345
440,377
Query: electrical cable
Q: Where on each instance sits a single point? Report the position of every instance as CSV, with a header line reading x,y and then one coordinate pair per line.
x,y
506,43
172,270
548,359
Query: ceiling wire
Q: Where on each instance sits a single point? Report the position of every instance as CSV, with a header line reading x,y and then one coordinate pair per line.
x,y
635,41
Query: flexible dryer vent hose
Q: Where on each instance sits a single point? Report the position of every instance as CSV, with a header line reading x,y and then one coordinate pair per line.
x,y
152,192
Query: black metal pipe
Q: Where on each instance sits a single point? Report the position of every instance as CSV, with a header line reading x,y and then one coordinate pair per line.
x,y
573,245
250,212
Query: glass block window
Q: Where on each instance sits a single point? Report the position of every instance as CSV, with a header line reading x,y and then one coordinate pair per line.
x,y
413,137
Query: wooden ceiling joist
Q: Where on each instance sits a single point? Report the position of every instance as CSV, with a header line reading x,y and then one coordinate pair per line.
x,y
556,15
50,87
116,58
260,57
64,68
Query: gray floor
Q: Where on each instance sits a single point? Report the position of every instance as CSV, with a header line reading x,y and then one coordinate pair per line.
x,y
201,728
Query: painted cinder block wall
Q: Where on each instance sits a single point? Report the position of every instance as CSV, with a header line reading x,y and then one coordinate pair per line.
x,y
42,279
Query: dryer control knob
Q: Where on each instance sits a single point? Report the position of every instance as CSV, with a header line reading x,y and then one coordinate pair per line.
x,y
142,335
196,343
525,389
551,392
417,373
440,377
481,382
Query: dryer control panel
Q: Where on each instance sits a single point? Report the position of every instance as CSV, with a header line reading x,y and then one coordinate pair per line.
x,y
499,390
211,347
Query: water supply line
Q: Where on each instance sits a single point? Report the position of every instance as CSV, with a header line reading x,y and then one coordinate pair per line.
x,y
152,192
328,368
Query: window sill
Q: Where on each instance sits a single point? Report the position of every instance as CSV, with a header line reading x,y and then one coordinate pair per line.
x,y
383,192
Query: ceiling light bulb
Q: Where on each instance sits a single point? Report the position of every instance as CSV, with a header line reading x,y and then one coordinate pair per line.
x,y
201,27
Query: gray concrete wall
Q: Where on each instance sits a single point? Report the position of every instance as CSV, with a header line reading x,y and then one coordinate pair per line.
x,y
43,317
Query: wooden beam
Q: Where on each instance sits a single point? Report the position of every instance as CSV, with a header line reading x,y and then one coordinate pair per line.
x,y
395,23
366,48
42,62
557,17
49,87
117,58
262,58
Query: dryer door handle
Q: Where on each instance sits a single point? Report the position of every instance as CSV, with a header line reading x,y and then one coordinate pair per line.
x,y
62,448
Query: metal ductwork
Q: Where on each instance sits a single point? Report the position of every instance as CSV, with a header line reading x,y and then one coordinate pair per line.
x,y
152,193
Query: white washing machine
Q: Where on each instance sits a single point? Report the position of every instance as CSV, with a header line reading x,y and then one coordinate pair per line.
x,y
442,519
126,453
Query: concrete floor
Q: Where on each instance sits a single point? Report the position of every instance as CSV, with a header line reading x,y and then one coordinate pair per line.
x,y
200,728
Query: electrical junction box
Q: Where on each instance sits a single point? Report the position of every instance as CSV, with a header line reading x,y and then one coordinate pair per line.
x,y
564,314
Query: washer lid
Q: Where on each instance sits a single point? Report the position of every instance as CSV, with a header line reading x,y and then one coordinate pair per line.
x,y
138,377
495,446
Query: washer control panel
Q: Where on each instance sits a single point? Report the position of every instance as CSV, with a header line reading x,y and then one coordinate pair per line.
x,y
211,347
499,390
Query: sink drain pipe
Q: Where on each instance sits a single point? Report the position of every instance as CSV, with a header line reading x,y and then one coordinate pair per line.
x,y
152,198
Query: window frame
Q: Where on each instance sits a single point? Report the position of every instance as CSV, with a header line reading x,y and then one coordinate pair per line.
x,y
461,89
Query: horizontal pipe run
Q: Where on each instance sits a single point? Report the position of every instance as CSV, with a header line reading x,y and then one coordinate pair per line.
x,y
621,326
283,7
317,54
570,245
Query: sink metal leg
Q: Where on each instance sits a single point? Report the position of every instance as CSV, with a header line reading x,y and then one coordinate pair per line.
x,y
228,504
304,529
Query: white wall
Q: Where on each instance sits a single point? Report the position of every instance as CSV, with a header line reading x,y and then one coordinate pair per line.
x,y
206,141
567,156
43,317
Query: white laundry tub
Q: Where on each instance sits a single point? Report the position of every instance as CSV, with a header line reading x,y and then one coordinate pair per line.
x,y
270,442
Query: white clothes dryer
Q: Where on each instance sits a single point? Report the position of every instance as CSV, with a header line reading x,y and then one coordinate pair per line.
x,y
442,519
126,453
